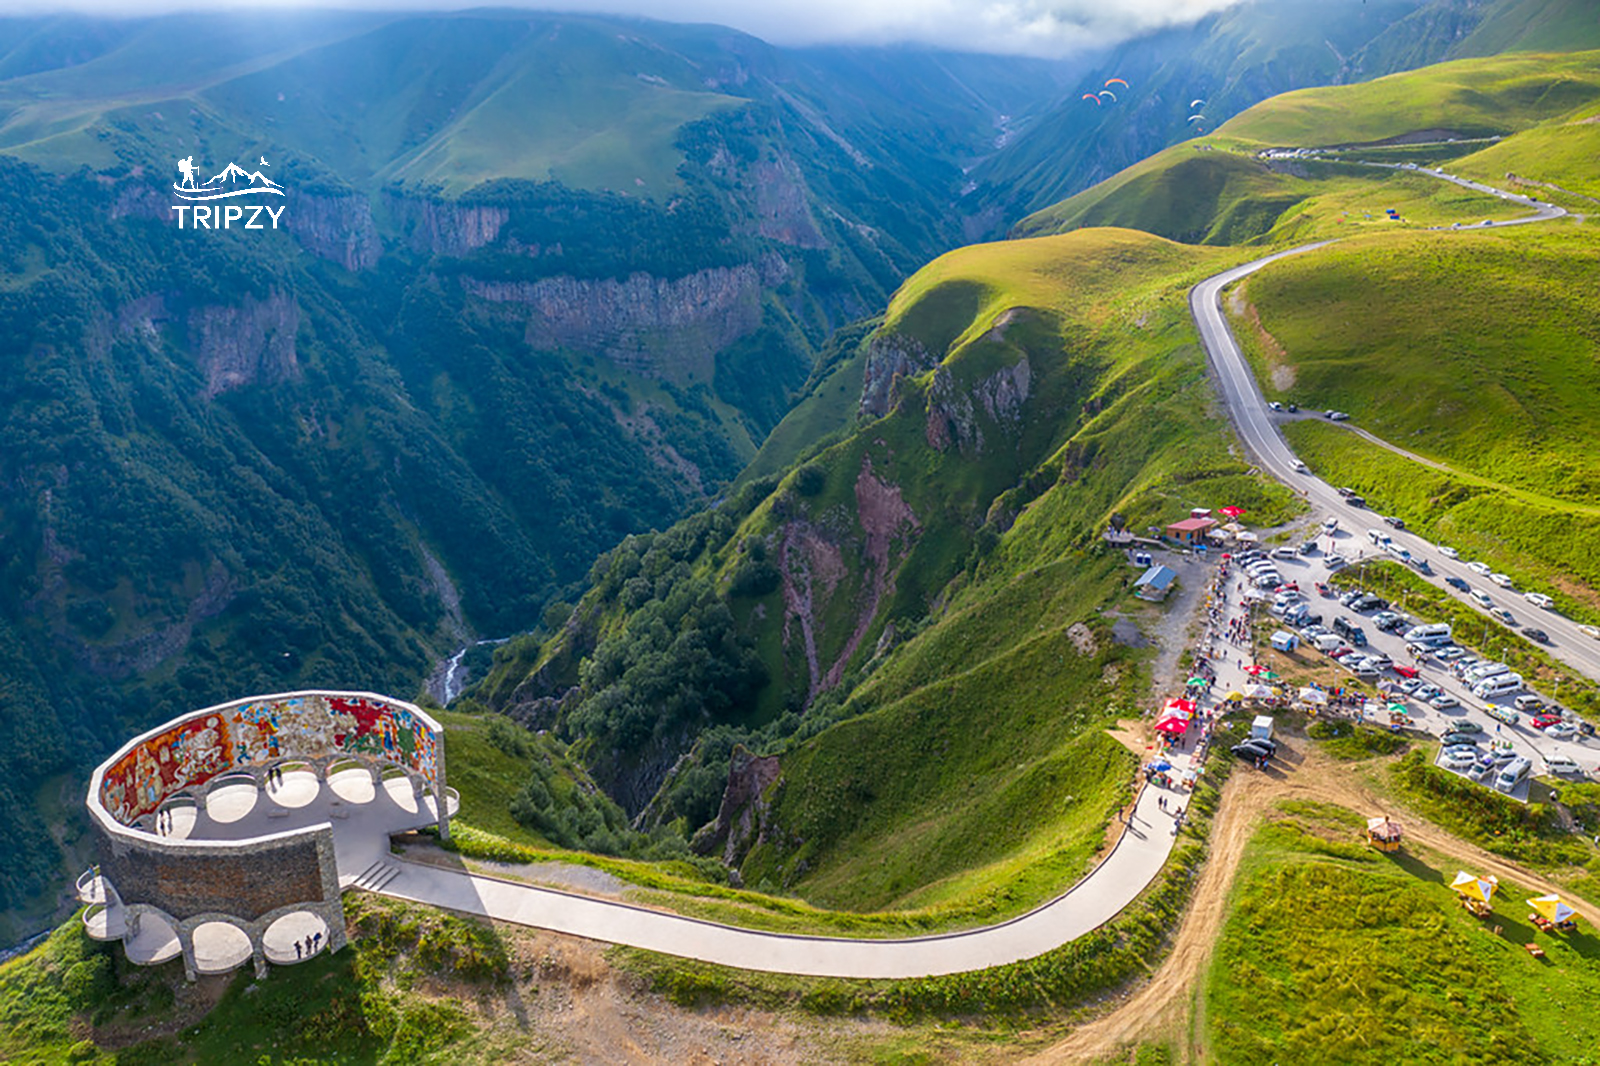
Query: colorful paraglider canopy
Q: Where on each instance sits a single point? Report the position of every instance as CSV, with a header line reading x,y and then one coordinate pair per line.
x,y
1108,92
1553,907
1116,81
1231,511
1473,887
1091,96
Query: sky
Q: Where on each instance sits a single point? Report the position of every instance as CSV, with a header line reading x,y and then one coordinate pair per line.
x,y
1024,27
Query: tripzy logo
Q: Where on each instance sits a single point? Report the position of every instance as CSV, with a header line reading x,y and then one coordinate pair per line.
x,y
232,182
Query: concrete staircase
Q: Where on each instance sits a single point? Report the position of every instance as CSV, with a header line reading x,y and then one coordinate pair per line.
x,y
377,876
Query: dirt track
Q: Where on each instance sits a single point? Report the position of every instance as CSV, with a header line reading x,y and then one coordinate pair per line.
x,y
1161,1008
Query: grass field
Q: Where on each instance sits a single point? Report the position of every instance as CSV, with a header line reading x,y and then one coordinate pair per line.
x,y
1335,953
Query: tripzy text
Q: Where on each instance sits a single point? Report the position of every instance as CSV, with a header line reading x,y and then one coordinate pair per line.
x,y
224,217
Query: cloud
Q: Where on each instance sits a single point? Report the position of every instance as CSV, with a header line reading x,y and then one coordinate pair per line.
x,y
1012,27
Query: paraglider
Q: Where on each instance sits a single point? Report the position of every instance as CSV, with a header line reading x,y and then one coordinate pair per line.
x,y
1117,81
1197,118
1092,96
1108,92
1195,103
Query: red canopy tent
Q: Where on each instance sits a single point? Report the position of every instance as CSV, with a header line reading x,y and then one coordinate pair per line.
x,y
1172,724
1179,705
1231,512
1254,669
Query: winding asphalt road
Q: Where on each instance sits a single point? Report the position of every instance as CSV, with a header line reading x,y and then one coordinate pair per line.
x,y
1253,419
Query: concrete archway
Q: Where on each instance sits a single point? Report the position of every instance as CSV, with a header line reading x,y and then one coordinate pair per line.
x,y
298,784
351,780
398,784
231,798
280,937
220,946
151,938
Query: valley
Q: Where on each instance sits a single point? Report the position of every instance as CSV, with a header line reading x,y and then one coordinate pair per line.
x,y
644,400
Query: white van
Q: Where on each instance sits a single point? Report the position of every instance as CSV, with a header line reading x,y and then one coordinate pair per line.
x,y
1377,536
1528,704
1483,672
1328,641
1539,599
1562,764
1481,598
1512,774
1435,631
1498,685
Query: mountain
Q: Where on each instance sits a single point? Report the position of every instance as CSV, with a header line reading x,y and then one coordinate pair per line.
x,y
545,281
1243,55
233,172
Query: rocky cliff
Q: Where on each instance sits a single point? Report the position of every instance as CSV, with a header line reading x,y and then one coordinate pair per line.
x,y
337,228
665,328
446,228
241,345
889,356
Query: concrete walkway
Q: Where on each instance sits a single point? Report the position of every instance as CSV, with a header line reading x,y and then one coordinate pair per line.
x,y
1095,900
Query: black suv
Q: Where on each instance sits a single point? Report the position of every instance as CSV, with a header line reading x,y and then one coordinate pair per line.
x,y
1349,631
1456,583
1537,635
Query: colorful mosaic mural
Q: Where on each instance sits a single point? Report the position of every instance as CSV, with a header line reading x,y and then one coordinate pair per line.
x,y
255,732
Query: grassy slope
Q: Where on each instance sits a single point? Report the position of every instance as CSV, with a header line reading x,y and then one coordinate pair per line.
x,y
1213,189
949,791
1333,952
1497,381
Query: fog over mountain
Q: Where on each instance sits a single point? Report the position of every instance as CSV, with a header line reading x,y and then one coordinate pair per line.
x,y
1051,28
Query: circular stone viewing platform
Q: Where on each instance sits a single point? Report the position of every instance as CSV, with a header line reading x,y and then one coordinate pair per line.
x,y
228,835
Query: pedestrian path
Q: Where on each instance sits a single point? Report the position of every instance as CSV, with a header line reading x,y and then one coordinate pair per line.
x,y
1131,866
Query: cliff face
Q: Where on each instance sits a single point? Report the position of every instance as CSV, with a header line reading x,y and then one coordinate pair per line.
x,y
889,356
337,228
654,326
241,345
446,228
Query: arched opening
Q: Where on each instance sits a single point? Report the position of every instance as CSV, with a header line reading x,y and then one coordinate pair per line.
x,y
156,940
397,783
231,798
297,784
220,947
294,937
351,781
177,816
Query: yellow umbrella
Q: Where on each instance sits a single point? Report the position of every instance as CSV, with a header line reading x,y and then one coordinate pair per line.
x,y
1481,888
1234,697
1553,907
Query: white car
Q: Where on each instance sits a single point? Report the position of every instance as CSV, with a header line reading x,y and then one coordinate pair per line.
x,y
1460,759
1503,580
1539,599
1562,731
1285,552
1591,631
1334,561
1443,702
1448,553
1301,468
1479,568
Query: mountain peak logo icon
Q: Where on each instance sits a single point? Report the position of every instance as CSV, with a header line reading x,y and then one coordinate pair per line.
x,y
233,181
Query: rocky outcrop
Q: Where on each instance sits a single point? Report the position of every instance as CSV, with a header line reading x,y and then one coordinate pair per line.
x,y
889,357
772,193
446,228
1003,393
744,807
337,228
812,567
951,417
245,344
649,325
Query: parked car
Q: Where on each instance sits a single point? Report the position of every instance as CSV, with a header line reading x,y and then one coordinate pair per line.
x,y
1293,407
1334,561
1323,589
1338,416
1360,666
1407,672
1369,602
1503,616
1450,651
1345,490
1561,731
1457,583
1528,703
1451,740
1545,721
1410,685
1284,552
1538,636
1466,725
1248,751
1443,702
1395,521
1459,759
1275,405
1562,764
1479,568
1300,468
1330,524
1448,553
1427,691
1420,565
1539,599
1380,660
1341,652
1351,596
1357,501
1590,631
1503,580
1308,548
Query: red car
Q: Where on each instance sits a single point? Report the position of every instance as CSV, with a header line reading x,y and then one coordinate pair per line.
x,y
1545,721
1404,671
1341,651
1323,590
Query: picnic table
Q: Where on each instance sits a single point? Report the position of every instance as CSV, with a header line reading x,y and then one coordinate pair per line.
x,y
1535,950
1541,922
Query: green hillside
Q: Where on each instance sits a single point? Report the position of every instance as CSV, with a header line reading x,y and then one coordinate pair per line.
x,y
1496,382
1332,951
1217,189
965,515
